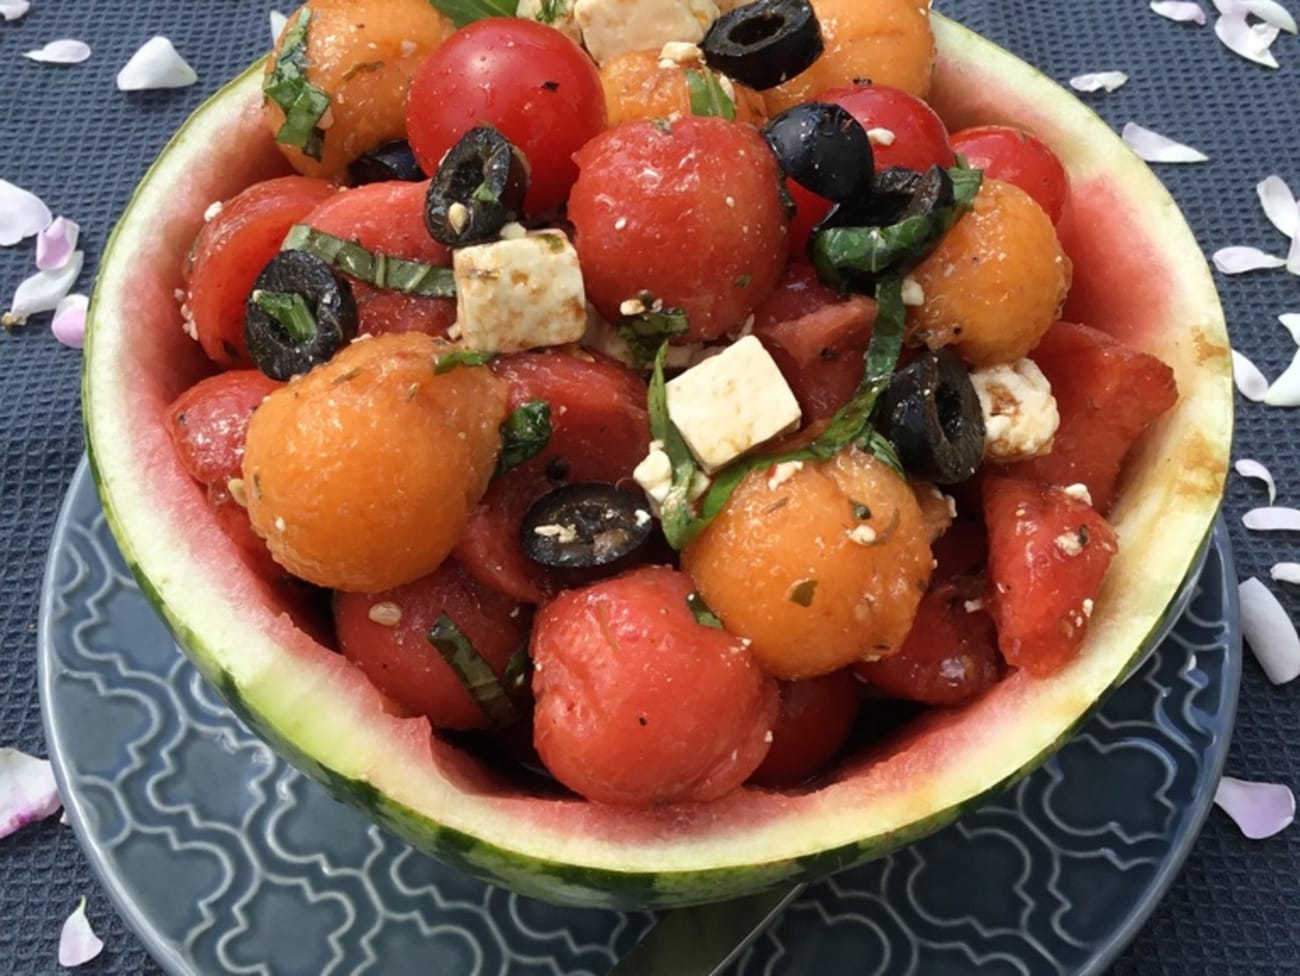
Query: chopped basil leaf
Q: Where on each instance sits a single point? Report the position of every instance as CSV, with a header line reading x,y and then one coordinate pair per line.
x,y
474,671
647,330
287,86
290,310
462,12
675,516
379,270
803,591
462,357
882,449
703,615
523,434
519,673
845,255
485,194
742,281
551,11
708,97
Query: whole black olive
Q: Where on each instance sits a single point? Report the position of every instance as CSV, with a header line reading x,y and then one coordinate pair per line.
x,y
298,314
824,149
586,527
478,189
391,161
932,415
765,43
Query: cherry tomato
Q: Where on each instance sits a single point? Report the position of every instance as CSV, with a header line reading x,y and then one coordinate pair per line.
x,y
816,718
638,702
1013,155
209,421
230,251
688,211
529,81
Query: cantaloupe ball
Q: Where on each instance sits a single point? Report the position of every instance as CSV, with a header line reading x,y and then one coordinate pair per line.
x,y
638,86
362,54
361,474
996,282
819,566
888,42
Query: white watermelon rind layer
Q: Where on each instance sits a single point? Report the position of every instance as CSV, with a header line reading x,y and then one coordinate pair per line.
x,y
322,715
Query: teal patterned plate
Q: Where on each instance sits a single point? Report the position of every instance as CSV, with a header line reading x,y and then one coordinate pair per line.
x,y
225,860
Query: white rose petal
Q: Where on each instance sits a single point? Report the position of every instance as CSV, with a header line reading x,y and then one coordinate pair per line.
x,y
1240,37
1098,81
1240,260
22,214
44,290
63,51
1291,321
1272,519
1269,632
1285,572
155,65
13,9
1184,12
278,20
1270,12
27,790
1279,204
1250,381
77,942
1293,256
1285,390
1156,148
1250,468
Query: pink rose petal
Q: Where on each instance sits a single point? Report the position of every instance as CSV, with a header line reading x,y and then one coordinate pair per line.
x,y
63,51
1156,148
1291,321
1272,519
1269,632
1279,203
27,790
1239,260
1245,39
13,9
1285,572
1250,468
69,323
55,244
78,943
1250,381
155,65
22,214
43,291
1099,81
1270,12
1183,12
1261,810
1285,390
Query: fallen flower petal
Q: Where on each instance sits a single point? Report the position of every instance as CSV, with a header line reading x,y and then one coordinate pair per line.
x,y
1156,148
1270,12
27,790
155,65
1293,255
1285,572
1239,260
1240,37
278,20
1250,468
1261,810
78,943
1269,632
1184,12
69,323
1098,81
1279,204
63,51
22,213
1249,380
1272,519
44,290
55,244
1285,390
13,9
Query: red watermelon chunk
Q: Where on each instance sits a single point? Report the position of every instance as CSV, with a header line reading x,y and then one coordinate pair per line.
x,y
1107,394
1048,554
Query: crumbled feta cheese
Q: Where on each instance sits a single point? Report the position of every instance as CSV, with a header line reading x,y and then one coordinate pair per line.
x,y
280,523
631,306
556,13
654,473
1079,492
913,293
863,535
676,53
386,613
973,606
1020,416
779,474
563,534
457,216
1070,543
214,208
1087,608
880,136
730,403
513,231
518,294
613,27
642,517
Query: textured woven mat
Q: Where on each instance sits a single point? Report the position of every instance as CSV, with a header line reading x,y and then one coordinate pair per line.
x,y
67,134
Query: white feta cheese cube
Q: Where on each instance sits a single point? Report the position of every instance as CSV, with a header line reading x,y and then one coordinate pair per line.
x,y
554,13
518,294
1020,416
731,403
654,474
614,27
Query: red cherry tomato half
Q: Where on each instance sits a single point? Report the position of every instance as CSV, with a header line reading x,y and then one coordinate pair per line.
x,y
1011,154
533,84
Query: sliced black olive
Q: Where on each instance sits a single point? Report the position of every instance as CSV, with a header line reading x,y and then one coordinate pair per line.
x,y
478,189
765,43
298,314
932,415
824,149
585,527
391,161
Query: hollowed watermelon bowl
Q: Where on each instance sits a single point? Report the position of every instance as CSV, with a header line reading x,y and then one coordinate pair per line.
x,y
1139,275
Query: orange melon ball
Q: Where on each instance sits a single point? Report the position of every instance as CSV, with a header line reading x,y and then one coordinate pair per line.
x,y
638,86
818,566
361,474
996,282
362,55
887,42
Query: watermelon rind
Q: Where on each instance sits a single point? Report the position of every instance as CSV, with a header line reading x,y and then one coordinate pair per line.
x,y
317,711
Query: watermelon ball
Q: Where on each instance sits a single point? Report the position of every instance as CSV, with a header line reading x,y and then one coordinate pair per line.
x,y
638,702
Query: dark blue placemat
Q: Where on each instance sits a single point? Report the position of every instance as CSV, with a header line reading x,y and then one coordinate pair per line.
x,y
67,134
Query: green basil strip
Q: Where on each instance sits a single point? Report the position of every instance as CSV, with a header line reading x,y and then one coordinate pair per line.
x,y
290,310
703,615
462,12
897,248
646,332
519,674
524,434
462,357
474,672
708,97
675,515
379,270
287,86
551,11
